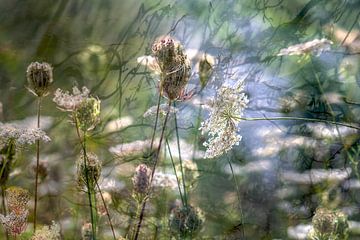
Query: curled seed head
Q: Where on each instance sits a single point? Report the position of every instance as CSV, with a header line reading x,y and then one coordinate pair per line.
x,y
185,221
89,171
174,65
141,179
329,224
39,77
88,113
17,199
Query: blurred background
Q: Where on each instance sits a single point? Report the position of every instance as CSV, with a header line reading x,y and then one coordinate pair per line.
x,y
269,186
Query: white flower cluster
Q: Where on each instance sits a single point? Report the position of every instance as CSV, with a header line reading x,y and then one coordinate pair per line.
x,y
21,135
48,233
225,114
315,46
163,109
69,102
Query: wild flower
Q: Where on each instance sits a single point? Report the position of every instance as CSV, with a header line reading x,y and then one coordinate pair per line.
x,y
47,232
131,148
16,221
20,135
39,77
88,173
185,221
86,232
225,114
70,102
329,224
165,180
141,179
174,66
315,46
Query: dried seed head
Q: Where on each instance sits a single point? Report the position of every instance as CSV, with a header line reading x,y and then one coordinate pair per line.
x,y
174,65
141,179
39,77
185,221
15,222
88,171
17,199
88,113
329,224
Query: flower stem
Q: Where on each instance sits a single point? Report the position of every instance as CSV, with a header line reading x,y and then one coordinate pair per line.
x,y
106,210
90,189
179,151
301,119
37,163
141,217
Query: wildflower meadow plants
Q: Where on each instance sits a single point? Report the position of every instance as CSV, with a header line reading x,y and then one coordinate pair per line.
x,y
171,130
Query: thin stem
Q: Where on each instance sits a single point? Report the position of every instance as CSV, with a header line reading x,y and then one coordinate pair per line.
x,y
177,178
179,151
238,195
37,163
301,119
3,196
89,192
156,120
141,217
106,210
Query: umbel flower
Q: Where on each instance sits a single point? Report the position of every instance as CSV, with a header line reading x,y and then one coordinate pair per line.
x,y
185,221
329,224
85,109
47,232
39,77
225,114
315,46
20,136
141,179
89,171
16,221
174,67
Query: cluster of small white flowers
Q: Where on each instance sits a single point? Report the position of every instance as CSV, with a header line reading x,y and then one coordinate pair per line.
x,y
132,148
69,102
21,135
47,233
225,114
163,109
315,46
165,180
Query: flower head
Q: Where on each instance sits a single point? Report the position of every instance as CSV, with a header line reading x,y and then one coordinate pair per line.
x,y
70,102
39,77
47,233
17,199
174,66
141,179
15,223
185,221
225,114
89,171
88,113
315,46
20,135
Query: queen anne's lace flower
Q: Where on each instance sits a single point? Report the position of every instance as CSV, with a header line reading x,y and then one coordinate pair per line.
x,y
315,46
15,223
69,102
47,233
20,135
225,114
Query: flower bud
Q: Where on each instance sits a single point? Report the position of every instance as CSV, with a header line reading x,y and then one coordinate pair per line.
x,y
88,113
174,65
141,179
39,77
89,171
185,221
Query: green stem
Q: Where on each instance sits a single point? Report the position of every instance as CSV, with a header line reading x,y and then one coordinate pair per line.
x,y
141,217
179,151
106,210
177,178
37,164
299,118
90,189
